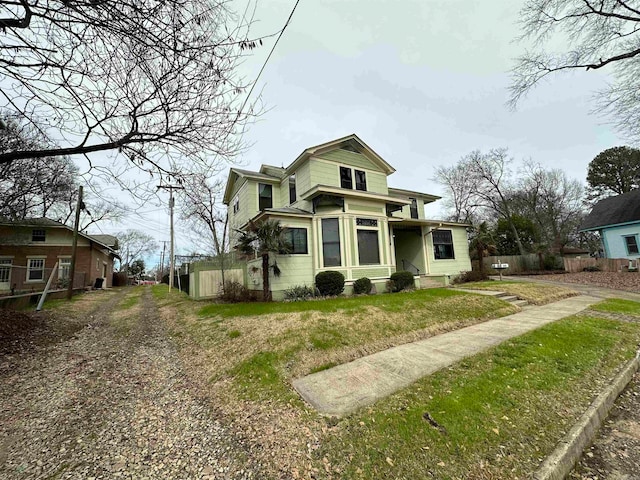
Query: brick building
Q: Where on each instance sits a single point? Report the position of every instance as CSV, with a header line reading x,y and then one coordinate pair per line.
x,y
29,250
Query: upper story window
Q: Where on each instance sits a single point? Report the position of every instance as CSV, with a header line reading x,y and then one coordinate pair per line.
x,y
347,176
346,180
265,196
292,189
236,205
414,208
361,180
38,235
632,244
443,245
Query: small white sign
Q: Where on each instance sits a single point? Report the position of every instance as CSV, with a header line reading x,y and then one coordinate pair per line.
x,y
499,266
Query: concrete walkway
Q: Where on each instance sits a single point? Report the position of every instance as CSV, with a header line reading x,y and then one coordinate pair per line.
x,y
345,388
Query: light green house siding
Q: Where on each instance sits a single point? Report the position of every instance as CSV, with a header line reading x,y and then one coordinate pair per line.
x,y
461,262
406,210
353,159
325,170
409,249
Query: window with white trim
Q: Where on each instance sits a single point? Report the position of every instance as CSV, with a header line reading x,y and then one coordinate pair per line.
x,y
64,268
331,242
443,245
265,196
368,248
297,240
35,269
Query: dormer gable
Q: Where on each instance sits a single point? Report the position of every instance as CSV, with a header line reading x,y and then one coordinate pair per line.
x,y
350,150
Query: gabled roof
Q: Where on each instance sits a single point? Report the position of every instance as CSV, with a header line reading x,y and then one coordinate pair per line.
x,y
235,173
102,240
108,240
401,192
617,210
353,142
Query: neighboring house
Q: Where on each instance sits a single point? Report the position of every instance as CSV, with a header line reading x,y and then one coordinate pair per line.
x,y
617,219
341,215
30,248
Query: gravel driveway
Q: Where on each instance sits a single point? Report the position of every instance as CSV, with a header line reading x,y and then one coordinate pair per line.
x,y
111,403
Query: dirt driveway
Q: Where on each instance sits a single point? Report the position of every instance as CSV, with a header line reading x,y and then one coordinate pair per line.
x,y
111,401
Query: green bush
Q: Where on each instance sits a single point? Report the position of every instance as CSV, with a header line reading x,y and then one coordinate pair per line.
x,y
471,276
330,283
401,280
362,285
298,293
552,262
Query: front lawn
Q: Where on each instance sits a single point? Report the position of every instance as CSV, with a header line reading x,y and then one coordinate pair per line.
x,y
617,305
491,416
534,293
264,345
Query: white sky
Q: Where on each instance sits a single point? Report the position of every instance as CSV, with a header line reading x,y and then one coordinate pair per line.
x,y
421,82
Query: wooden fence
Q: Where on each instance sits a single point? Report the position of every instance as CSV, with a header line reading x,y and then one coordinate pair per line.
x,y
517,263
573,265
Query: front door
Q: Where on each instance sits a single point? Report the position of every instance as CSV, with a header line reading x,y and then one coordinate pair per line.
x,y
5,273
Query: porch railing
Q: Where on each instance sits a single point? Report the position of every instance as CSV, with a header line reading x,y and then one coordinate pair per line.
x,y
410,267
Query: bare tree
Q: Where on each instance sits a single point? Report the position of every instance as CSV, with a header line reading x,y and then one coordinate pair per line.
x,y
594,35
458,198
154,81
206,217
134,245
553,201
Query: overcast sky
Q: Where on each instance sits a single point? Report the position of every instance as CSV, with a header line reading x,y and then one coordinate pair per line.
x,y
421,82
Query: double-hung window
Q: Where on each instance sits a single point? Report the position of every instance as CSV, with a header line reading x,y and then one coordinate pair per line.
x,y
346,181
64,267
265,196
331,242
631,242
443,245
292,189
35,269
361,180
413,208
296,238
368,249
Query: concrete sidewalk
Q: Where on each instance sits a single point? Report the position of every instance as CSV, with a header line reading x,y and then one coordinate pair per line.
x,y
345,388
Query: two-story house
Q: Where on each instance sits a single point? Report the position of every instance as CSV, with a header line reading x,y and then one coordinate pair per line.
x,y
341,215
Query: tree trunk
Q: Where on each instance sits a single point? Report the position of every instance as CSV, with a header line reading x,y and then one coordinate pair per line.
x,y
480,252
266,291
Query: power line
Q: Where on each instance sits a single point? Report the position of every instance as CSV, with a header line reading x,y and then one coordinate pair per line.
x,y
246,100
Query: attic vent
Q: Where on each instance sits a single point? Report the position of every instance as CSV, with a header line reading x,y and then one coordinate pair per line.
x,y
351,146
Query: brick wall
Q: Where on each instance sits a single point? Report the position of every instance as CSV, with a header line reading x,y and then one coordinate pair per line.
x,y
90,263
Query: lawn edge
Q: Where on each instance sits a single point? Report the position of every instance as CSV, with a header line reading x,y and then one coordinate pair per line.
x,y
569,450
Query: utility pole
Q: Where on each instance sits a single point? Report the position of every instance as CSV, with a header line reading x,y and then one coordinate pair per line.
x,y
164,247
171,188
74,248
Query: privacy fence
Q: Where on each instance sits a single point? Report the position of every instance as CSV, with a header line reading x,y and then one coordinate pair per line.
x,y
573,265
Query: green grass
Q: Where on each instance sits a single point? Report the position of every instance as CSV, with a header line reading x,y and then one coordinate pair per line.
x,y
501,411
130,301
617,305
390,302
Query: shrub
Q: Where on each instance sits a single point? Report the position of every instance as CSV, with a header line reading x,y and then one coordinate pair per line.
x,y
591,268
298,293
401,281
362,285
471,276
235,292
330,283
552,262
